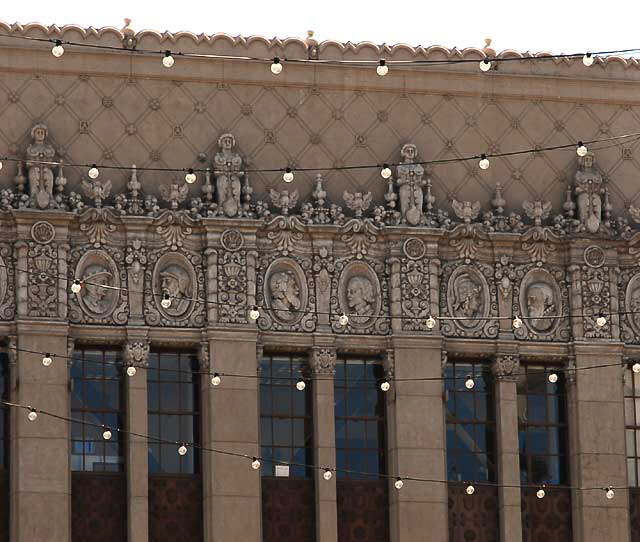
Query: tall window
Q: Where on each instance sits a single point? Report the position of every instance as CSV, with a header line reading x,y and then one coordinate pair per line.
x,y
4,412
470,415
360,418
173,411
97,398
632,422
542,426
286,430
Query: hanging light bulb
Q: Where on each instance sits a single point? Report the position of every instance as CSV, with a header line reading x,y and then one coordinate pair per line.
x,y
385,386
553,378
470,490
485,65
327,474
382,68
47,360
255,464
609,493
168,60
484,162
588,59
58,49
0,164
636,367
601,320
386,171
300,385
581,149
288,175
216,380
254,313
76,286
93,172
540,493
190,177
276,66
182,450
430,322
469,383
517,322
165,302
32,416
398,483
106,435
131,370
343,319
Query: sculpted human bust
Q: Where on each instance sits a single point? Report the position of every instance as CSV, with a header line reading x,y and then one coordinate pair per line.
x,y
97,298
360,295
175,281
285,295
540,304
467,300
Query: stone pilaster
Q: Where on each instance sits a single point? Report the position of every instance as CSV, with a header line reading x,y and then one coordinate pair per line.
x,y
416,441
505,369
323,365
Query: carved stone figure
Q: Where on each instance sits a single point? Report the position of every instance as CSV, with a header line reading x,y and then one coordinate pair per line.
x,y
589,188
285,295
467,301
41,178
284,200
227,165
95,297
410,183
99,297
358,202
360,295
175,281
540,303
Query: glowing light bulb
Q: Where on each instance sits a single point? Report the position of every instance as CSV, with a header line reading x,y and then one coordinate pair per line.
x,y
553,378
540,493
76,286
636,367
601,320
382,68
430,322
276,66
385,386
517,322
470,489
106,435
288,175
255,464
131,371
588,59
484,162
47,360
398,483
254,313
485,65
182,450
386,171
610,493
216,380
300,385
469,383
0,164
190,177
166,300
32,416
58,49
93,172
327,474
581,149
343,320
168,60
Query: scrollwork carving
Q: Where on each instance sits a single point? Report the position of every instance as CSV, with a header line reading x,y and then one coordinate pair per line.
x,y
323,361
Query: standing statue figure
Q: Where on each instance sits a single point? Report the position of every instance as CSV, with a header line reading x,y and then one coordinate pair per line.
x,y
40,176
589,188
227,165
410,182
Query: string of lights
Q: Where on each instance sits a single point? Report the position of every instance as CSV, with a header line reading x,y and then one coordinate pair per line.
x,y
581,149
256,461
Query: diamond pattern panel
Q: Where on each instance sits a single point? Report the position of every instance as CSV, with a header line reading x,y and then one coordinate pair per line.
x,y
163,123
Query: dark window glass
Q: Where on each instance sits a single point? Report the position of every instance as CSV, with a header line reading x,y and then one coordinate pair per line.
x,y
4,412
97,398
470,416
632,422
286,422
360,418
542,427
172,380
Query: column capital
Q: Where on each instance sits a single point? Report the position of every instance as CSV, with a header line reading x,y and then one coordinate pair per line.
x,y
323,360
505,366
136,353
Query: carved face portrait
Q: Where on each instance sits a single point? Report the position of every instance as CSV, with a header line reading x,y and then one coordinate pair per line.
x,y
468,297
39,133
285,295
226,142
409,151
540,304
96,270
176,282
94,293
360,295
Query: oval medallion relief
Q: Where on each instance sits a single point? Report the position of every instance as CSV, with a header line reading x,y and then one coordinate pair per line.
x,y
468,297
285,291
4,284
632,302
97,269
359,294
540,297
175,275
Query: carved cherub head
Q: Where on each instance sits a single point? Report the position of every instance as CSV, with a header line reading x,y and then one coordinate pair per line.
x,y
409,152
39,133
226,142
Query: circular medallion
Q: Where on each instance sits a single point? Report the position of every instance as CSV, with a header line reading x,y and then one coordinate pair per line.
x,y
414,248
42,232
232,240
594,256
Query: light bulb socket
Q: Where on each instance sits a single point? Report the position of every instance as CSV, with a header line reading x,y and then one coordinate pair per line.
x,y
58,43
167,53
276,60
383,62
